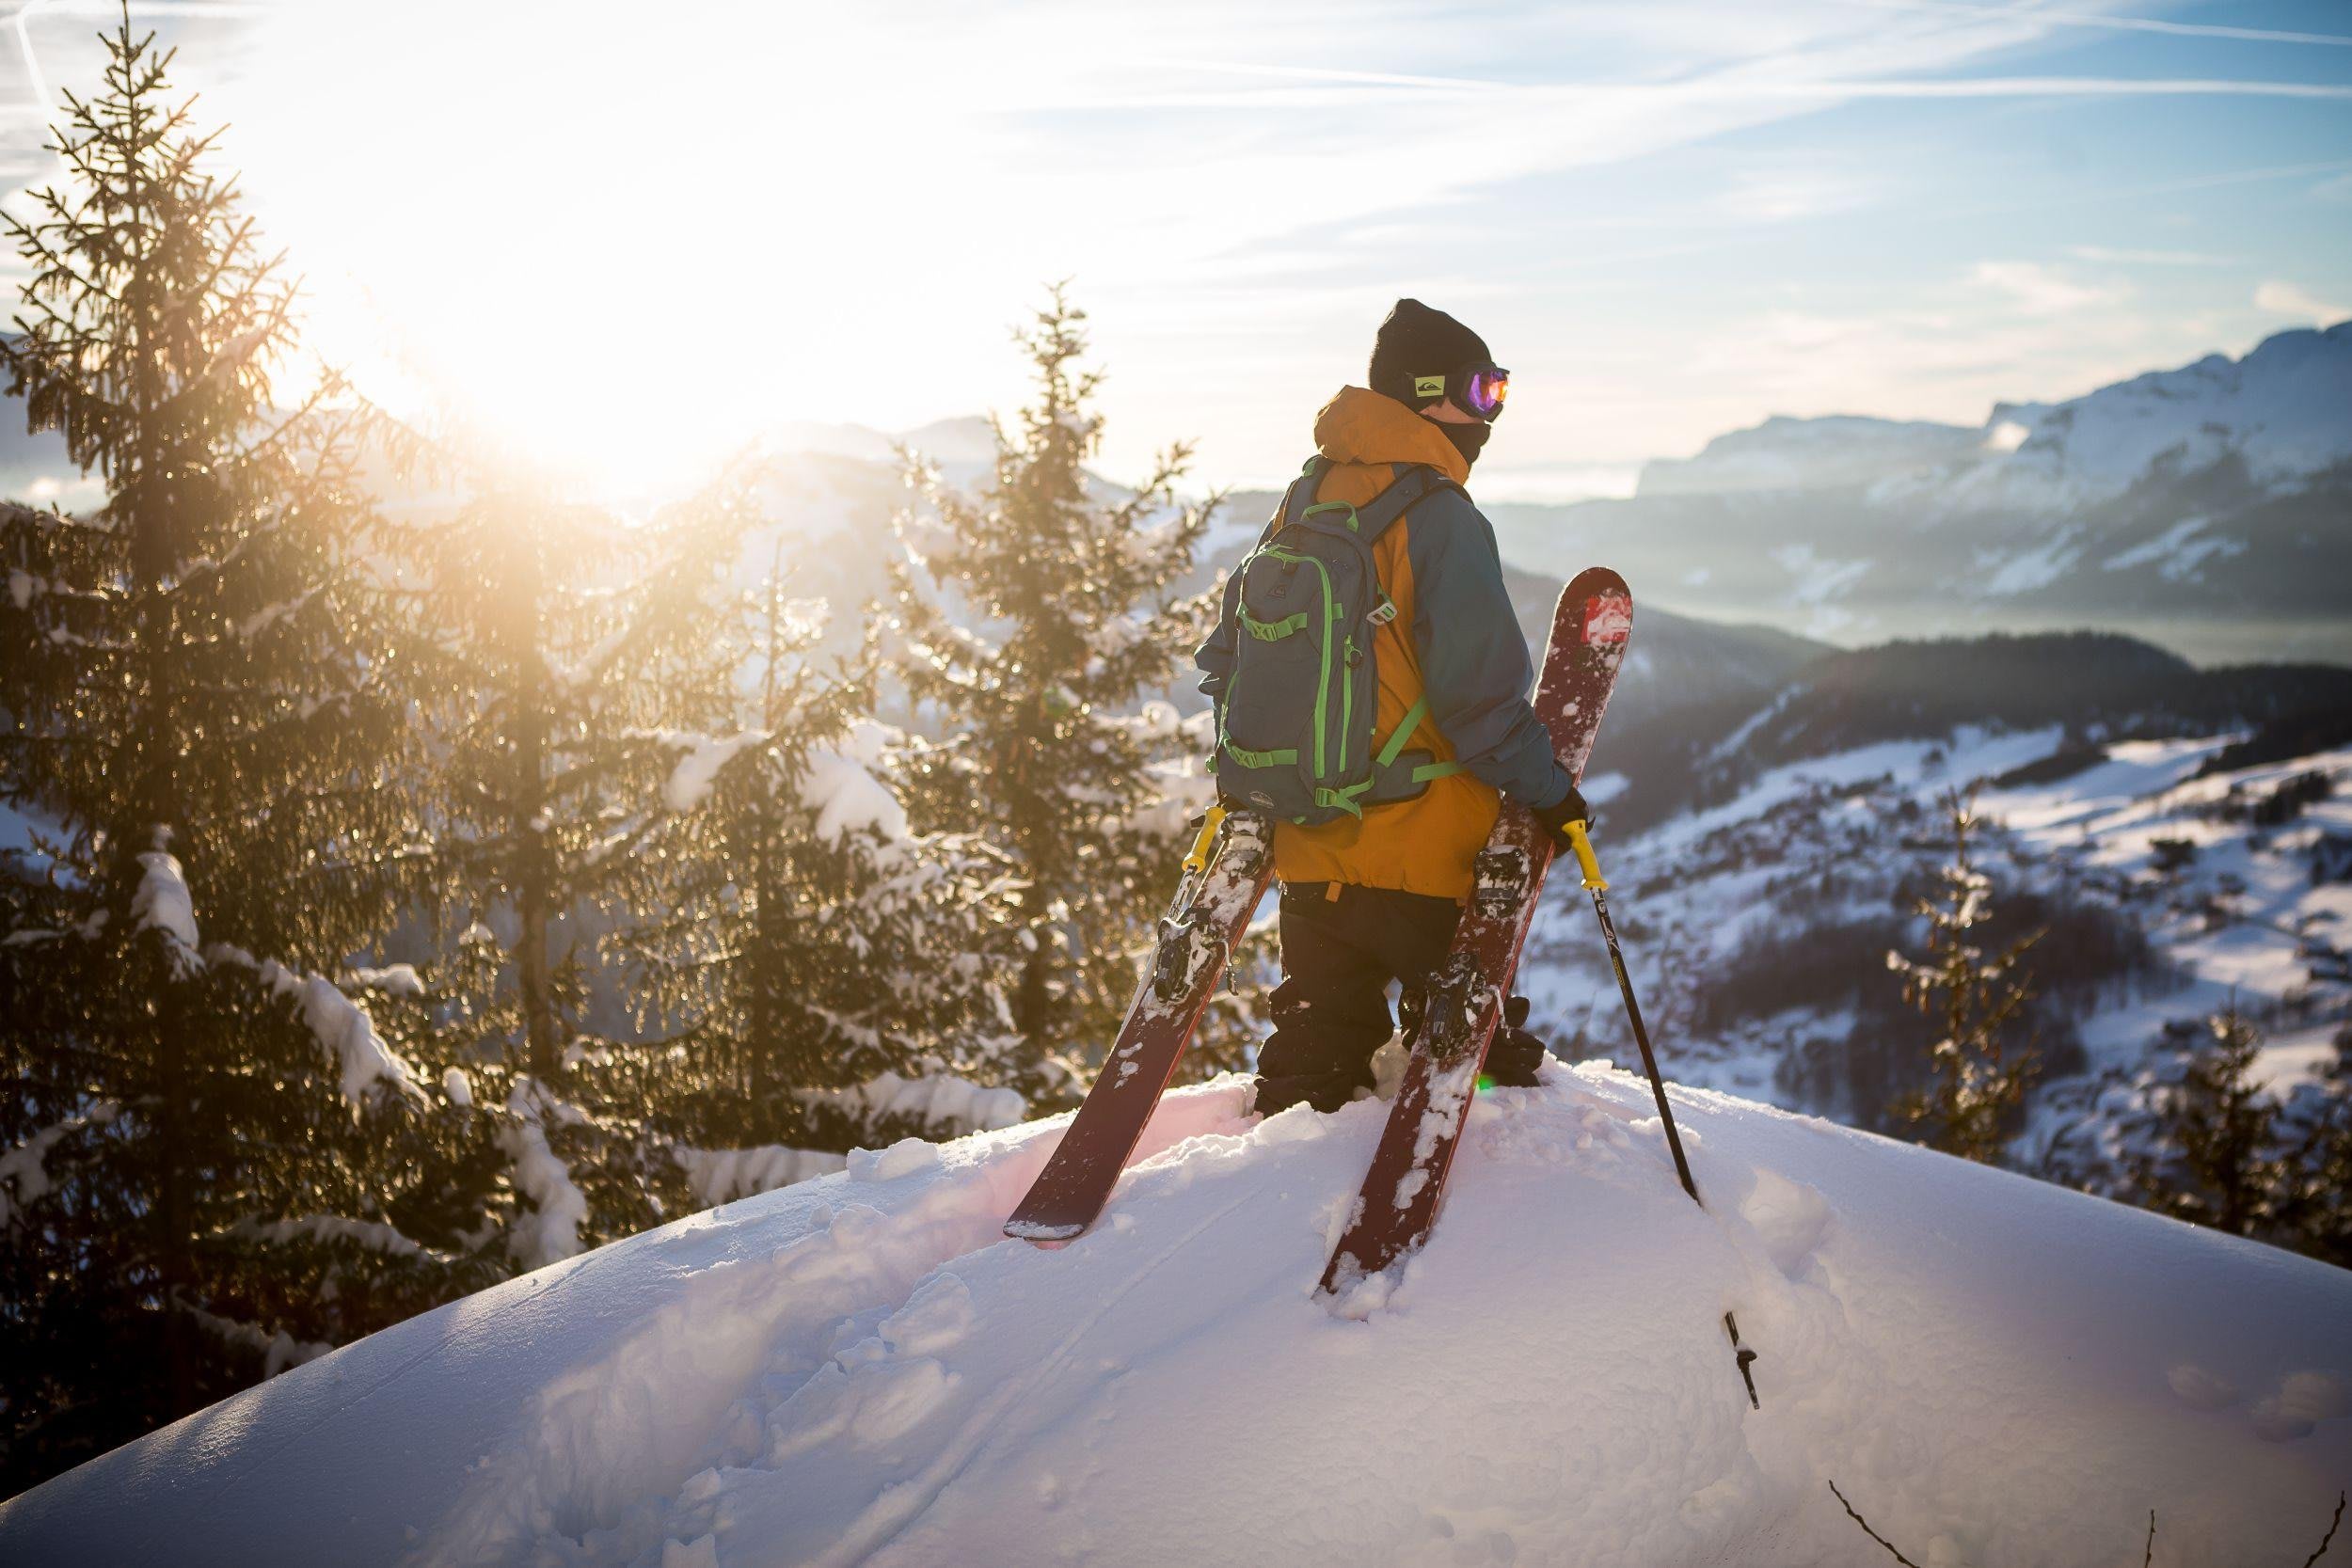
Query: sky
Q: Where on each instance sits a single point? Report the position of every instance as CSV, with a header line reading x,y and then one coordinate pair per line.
x,y
626,239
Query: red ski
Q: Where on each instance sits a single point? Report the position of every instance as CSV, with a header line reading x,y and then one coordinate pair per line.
x,y
1463,999
1225,876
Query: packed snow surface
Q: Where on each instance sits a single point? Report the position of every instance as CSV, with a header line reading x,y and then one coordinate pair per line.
x,y
859,1369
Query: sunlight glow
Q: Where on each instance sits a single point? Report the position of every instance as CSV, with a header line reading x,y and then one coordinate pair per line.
x,y
629,241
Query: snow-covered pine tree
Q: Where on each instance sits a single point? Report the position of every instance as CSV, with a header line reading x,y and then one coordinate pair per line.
x,y
570,649
2215,1159
2220,1146
1032,622
1978,1079
829,978
202,1170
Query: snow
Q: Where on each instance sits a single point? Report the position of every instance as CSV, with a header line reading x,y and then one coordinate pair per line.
x,y
2280,409
1996,1372
2028,569
2177,552
278,1350
845,789
939,1101
23,1177
723,1175
692,778
371,1235
342,1028
549,1231
1784,454
903,1158
162,903
392,980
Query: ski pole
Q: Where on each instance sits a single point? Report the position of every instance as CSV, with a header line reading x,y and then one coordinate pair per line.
x,y
1196,864
1579,840
1197,859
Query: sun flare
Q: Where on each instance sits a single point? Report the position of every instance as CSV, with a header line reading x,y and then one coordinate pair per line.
x,y
644,238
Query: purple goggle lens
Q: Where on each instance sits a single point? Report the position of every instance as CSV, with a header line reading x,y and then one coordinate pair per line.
x,y
1483,390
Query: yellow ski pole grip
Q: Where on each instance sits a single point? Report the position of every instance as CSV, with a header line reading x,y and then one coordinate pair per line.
x,y
1198,858
1581,842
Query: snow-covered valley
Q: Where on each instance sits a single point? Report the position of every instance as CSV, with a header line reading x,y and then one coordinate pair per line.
x,y
1760,927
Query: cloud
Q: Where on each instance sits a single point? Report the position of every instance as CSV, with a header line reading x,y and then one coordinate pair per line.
x,y
2338,190
2042,290
2293,300
2148,257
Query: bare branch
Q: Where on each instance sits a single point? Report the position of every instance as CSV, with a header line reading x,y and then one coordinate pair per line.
x,y
1868,1531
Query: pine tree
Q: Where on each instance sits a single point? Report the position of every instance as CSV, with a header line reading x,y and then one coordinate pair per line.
x,y
573,651
1032,621
2219,1164
1977,1082
2217,1147
206,1167
829,977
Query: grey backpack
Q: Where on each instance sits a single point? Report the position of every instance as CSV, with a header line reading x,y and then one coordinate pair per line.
x,y
1294,719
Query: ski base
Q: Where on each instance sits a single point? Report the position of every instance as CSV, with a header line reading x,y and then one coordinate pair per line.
x,y
1195,943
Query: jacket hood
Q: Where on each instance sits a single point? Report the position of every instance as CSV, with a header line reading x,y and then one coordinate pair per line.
x,y
1361,425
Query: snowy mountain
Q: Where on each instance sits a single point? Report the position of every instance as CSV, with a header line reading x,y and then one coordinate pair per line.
x,y
2204,508
2283,413
967,441
1784,454
859,1368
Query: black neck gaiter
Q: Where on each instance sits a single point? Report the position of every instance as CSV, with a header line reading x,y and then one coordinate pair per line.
x,y
1467,438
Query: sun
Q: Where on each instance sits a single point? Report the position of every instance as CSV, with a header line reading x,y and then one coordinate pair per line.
x,y
628,242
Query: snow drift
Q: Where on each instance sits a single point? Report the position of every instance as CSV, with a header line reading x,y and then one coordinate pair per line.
x,y
859,1369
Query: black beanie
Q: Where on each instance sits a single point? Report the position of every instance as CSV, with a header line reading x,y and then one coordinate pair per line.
x,y
1418,341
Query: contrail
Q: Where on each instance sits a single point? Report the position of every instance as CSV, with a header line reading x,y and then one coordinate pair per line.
x,y
32,63
2114,23
145,7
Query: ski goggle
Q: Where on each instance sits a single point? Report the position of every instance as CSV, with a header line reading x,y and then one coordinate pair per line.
x,y
1475,389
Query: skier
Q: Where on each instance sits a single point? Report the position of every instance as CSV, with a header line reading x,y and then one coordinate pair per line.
x,y
1374,895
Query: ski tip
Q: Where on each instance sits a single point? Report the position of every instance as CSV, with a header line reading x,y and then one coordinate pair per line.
x,y
1592,580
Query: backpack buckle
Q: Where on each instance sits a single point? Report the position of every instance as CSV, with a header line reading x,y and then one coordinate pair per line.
x,y
1383,613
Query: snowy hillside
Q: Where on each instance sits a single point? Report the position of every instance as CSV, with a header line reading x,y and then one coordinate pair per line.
x,y
2202,507
2173,884
858,1370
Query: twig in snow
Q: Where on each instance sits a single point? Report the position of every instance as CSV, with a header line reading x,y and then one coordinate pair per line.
x,y
1872,1533
2329,1536
2150,1555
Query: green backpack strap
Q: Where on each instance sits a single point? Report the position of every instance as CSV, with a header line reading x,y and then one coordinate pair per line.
x,y
1300,497
1387,756
1368,521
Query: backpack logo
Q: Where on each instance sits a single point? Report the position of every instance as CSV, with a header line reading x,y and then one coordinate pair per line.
x,y
1429,385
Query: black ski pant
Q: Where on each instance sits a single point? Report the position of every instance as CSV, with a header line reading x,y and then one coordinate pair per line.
x,y
1342,944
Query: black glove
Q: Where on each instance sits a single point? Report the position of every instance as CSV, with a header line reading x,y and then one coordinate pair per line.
x,y
1556,816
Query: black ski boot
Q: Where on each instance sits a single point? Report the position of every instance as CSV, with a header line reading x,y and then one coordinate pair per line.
x,y
1515,1055
1512,1056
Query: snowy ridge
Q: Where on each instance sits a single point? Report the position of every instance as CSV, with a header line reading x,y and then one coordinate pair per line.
x,y
2281,409
1787,453
858,1370
2197,506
